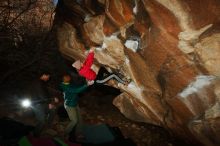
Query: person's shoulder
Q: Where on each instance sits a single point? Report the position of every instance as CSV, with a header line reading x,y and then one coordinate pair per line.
x,y
73,85
63,85
77,85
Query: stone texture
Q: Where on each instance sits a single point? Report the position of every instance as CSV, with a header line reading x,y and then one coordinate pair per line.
x,y
119,11
111,53
208,51
125,103
94,29
175,71
71,46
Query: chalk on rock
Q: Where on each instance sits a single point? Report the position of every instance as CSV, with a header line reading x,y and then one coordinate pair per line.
x,y
87,18
135,9
132,44
104,45
200,82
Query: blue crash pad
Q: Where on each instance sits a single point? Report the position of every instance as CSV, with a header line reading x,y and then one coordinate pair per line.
x,y
97,134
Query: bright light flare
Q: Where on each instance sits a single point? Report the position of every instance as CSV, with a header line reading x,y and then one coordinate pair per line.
x,y
26,103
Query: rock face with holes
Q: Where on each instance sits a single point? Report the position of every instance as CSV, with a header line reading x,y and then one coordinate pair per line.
x,y
168,49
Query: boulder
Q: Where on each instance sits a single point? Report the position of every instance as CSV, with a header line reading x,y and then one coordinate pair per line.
x,y
168,49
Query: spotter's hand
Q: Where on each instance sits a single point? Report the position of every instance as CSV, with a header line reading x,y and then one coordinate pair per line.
x,y
89,83
92,49
51,106
56,100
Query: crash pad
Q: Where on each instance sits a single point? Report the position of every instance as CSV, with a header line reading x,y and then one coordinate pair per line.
x,y
97,134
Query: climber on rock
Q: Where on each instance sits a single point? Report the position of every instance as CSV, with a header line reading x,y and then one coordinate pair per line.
x,y
85,70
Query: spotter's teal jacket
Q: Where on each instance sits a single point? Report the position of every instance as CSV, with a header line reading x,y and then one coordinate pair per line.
x,y
70,93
